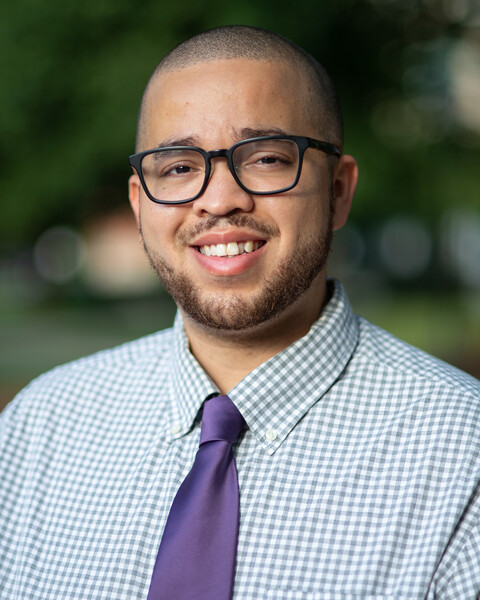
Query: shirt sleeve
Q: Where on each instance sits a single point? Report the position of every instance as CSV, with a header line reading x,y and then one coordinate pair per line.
x,y
458,574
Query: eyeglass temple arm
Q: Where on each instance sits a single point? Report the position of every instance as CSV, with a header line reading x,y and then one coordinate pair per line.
x,y
324,147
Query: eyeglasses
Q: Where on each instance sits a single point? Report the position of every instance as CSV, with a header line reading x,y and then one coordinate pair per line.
x,y
261,166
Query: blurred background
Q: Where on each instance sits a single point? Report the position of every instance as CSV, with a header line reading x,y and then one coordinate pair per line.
x,y
73,278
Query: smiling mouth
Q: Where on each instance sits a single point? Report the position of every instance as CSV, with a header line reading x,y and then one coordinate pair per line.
x,y
231,249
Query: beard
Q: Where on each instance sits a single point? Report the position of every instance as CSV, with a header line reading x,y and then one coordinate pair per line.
x,y
229,312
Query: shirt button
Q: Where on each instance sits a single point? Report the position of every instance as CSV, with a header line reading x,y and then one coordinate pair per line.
x,y
271,435
175,428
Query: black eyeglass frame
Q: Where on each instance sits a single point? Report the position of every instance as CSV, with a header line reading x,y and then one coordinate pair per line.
x,y
302,143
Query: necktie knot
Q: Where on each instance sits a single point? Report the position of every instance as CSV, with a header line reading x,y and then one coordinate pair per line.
x,y
221,420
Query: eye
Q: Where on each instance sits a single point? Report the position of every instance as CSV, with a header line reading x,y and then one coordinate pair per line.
x,y
269,159
173,164
173,170
266,155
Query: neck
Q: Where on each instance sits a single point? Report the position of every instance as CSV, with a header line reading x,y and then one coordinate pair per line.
x,y
229,356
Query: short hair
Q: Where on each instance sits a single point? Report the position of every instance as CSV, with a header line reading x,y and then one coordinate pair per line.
x,y
254,43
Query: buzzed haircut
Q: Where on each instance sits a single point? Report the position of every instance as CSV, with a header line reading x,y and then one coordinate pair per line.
x,y
254,43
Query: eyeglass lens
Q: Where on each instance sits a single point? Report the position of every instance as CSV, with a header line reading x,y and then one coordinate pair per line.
x,y
261,166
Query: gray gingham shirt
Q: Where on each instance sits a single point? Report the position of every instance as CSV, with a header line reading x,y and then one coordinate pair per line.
x,y
359,471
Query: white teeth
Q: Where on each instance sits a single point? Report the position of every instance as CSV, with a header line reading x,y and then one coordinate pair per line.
x,y
230,249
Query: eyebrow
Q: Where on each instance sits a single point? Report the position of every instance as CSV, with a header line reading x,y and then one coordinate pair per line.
x,y
187,141
247,132
244,133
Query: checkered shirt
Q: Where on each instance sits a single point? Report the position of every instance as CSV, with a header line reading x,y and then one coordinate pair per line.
x,y
359,471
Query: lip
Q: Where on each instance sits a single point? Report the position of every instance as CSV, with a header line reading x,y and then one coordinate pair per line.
x,y
225,266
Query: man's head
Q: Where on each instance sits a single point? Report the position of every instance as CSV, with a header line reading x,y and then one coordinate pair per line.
x,y
211,92
252,43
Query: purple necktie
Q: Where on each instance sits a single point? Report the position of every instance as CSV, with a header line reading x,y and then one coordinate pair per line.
x,y
196,558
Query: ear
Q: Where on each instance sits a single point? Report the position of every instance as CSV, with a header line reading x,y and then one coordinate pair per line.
x,y
134,196
345,179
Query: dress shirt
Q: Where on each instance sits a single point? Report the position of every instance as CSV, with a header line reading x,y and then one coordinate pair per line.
x,y
358,473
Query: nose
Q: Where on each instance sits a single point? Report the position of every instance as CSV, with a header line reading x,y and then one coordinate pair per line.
x,y
223,195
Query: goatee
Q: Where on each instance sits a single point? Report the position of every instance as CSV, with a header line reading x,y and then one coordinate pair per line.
x,y
232,312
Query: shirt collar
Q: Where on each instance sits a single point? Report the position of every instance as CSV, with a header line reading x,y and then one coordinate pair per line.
x,y
276,395
190,385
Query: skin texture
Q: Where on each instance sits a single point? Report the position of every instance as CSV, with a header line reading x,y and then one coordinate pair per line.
x,y
239,312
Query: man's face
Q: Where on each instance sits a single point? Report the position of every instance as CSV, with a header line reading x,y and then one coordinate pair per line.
x,y
285,238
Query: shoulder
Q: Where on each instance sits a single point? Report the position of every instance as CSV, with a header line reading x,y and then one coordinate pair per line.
x,y
133,356
400,362
106,373
135,352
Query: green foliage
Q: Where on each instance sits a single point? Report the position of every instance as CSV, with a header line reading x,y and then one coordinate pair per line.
x,y
73,73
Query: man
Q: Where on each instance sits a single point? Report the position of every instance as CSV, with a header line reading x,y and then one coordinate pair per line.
x,y
358,465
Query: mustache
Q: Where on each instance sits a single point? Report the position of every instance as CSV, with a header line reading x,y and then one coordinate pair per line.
x,y
240,221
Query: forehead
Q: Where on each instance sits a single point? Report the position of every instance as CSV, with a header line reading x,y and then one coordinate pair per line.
x,y
210,101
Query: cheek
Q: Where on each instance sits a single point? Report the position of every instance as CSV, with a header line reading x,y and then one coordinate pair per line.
x,y
159,222
317,213
311,205
303,216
